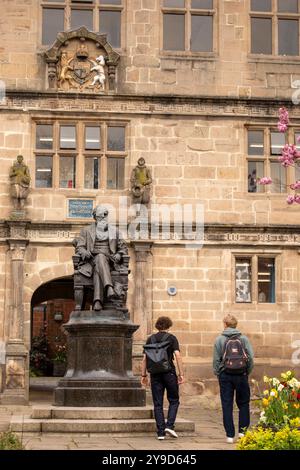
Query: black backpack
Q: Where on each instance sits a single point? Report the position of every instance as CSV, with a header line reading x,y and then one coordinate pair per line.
x,y
235,358
157,359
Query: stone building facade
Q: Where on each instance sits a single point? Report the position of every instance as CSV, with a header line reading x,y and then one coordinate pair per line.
x,y
202,109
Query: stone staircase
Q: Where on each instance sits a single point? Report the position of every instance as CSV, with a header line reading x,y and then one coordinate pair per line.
x,y
51,419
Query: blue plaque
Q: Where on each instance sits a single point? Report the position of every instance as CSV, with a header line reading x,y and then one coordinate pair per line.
x,y
80,208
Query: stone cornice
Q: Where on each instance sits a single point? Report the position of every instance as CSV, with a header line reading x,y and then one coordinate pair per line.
x,y
40,103
214,234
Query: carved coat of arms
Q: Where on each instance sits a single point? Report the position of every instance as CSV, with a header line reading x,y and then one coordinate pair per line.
x,y
79,70
81,60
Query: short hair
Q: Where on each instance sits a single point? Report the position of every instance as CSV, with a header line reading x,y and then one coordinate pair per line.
x,y
163,323
230,321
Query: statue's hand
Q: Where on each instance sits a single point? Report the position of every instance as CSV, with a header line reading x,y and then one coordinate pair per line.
x,y
86,254
117,257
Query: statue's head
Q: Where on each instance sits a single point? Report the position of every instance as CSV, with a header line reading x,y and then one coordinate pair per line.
x,y
100,212
20,158
100,60
141,161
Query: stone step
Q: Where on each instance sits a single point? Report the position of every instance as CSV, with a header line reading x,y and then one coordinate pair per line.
x,y
91,413
26,424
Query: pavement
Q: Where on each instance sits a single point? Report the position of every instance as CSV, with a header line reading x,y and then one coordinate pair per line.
x,y
206,414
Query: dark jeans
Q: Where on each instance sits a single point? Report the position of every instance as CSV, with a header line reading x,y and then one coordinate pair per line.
x,y
228,384
160,383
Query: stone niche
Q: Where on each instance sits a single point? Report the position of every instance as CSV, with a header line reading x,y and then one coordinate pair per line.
x,y
81,61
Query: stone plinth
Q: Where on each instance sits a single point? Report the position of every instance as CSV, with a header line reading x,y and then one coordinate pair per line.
x,y
99,371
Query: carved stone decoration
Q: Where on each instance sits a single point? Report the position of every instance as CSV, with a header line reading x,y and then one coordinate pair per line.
x,y
19,176
81,60
15,373
141,181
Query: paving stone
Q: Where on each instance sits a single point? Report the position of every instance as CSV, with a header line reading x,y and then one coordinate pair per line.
x,y
209,434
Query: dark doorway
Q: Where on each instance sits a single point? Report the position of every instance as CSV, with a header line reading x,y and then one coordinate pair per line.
x,y
51,306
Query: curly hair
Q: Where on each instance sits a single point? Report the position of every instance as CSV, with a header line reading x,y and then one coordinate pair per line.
x,y
163,323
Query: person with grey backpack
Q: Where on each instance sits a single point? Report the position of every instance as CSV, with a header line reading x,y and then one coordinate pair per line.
x,y
159,353
232,363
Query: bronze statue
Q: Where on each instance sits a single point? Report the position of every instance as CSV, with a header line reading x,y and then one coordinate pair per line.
x,y
19,182
141,183
101,249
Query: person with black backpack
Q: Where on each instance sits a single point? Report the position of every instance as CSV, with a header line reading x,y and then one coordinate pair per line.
x,y
232,363
159,352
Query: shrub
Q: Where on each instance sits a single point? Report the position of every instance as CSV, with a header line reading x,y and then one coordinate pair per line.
x,y
39,362
280,402
10,441
266,439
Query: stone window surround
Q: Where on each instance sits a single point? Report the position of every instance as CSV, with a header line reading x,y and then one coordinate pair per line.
x,y
80,154
254,255
267,158
186,54
274,15
96,7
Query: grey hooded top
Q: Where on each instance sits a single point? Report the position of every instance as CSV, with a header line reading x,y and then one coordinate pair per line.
x,y
218,364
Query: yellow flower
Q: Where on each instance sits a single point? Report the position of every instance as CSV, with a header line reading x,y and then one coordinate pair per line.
x,y
265,402
274,393
295,422
285,406
296,405
266,379
266,393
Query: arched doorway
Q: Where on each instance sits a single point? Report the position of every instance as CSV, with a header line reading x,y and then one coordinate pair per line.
x,y
51,305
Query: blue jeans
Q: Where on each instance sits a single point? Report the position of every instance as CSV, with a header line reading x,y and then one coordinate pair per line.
x,y
160,383
228,384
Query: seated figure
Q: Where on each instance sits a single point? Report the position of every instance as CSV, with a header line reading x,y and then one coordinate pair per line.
x,y
101,262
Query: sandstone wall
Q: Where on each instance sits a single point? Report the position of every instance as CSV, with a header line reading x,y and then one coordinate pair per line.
x,y
193,160
145,68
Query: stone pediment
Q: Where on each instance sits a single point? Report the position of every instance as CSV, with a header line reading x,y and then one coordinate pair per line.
x,y
81,60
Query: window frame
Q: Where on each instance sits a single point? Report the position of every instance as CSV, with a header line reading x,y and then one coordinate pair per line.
x,y
81,153
267,158
254,256
188,11
95,7
275,16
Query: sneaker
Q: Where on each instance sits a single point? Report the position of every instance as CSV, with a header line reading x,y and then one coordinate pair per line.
x,y
171,432
229,440
160,438
241,434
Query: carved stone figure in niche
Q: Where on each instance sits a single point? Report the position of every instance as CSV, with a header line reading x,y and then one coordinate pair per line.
x,y
101,249
19,182
141,181
99,68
